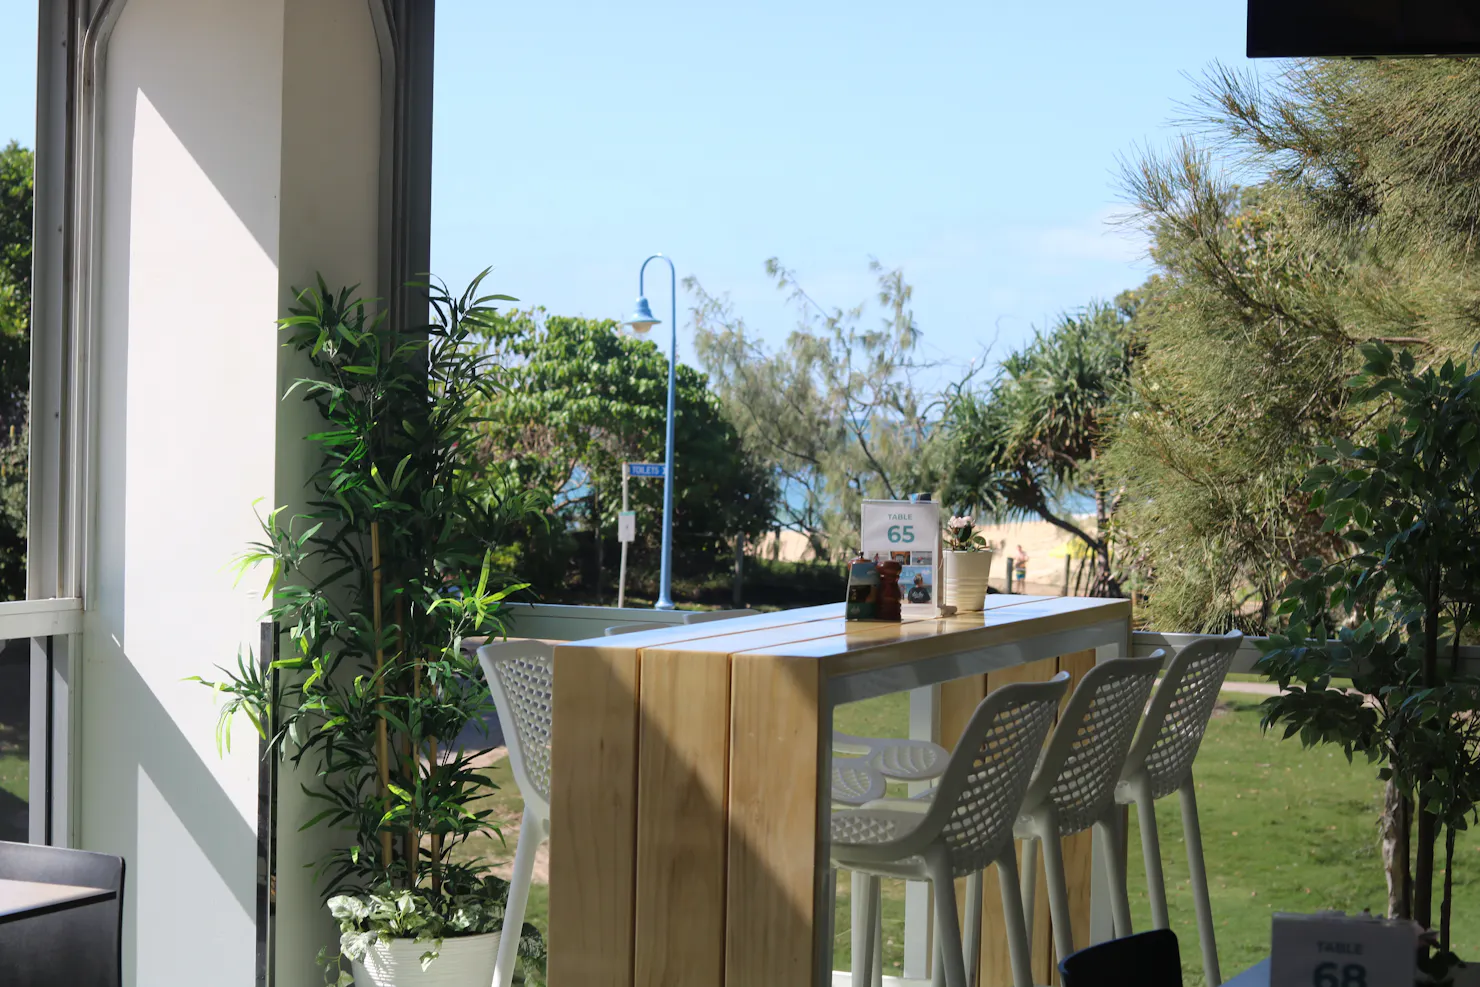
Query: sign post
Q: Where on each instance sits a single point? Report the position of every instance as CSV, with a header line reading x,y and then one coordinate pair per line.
x,y
627,520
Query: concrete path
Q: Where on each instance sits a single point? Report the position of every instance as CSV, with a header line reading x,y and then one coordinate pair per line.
x,y
1253,688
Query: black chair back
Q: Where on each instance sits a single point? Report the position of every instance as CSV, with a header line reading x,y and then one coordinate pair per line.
x,y
74,946
1149,959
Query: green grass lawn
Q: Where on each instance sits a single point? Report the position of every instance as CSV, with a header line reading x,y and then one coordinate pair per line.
x,y
15,776
15,764
1284,829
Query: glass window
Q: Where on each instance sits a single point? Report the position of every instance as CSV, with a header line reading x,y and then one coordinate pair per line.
x,y
15,739
17,138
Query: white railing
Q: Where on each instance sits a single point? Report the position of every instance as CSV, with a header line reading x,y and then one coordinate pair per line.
x,y
40,618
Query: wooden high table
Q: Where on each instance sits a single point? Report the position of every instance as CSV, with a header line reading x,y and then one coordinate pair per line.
x,y
690,781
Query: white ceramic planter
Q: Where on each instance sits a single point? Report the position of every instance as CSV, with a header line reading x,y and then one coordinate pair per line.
x,y
965,580
466,961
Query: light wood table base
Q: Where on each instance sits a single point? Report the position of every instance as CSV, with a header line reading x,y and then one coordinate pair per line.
x,y
689,800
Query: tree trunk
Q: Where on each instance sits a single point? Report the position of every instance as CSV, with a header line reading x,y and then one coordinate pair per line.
x,y
1393,831
1423,869
600,544
382,742
1445,908
1428,833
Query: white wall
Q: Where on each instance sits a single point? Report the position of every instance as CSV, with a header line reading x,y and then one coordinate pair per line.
x,y
330,222
220,189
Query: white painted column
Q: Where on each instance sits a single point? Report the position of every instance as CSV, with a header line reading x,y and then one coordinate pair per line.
x,y
240,153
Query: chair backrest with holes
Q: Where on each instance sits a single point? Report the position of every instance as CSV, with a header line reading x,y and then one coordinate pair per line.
x,y
521,677
1179,713
1082,765
981,791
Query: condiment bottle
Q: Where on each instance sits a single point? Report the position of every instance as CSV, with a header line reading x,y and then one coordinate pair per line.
x,y
889,595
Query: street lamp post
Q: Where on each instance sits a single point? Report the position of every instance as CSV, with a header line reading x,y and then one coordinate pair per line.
x,y
641,321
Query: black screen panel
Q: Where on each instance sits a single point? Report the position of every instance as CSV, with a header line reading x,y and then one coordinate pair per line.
x,y
1284,28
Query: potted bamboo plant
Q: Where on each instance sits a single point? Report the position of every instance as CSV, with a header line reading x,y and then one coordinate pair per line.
x,y
374,588
1389,611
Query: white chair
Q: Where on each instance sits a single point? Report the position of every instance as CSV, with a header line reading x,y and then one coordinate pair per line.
x,y
1160,763
521,677
897,759
966,827
1073,788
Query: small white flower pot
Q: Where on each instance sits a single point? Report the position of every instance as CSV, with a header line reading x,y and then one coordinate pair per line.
x,y
466,961
965,580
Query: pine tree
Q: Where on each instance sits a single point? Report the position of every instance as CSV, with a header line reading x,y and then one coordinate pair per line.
x,y
1355,221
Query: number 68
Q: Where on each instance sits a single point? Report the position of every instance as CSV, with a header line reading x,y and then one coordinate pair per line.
x,y
1352,975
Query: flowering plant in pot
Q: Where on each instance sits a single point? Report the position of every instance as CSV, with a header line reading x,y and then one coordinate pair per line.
x,y
967,564
375,586
1389,611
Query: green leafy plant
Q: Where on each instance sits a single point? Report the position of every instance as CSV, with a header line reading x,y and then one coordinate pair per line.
x,y
1391,611
962,535
1032,440
386,913
376,587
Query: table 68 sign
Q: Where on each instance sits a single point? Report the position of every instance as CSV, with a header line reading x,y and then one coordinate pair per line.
x,y
1335,950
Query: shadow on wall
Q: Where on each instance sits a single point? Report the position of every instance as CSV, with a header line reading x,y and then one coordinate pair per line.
x,y
148,758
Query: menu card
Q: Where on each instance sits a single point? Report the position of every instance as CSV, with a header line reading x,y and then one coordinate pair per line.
x,y
909,533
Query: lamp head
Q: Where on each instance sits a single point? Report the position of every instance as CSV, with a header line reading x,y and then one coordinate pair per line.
x,y
641,319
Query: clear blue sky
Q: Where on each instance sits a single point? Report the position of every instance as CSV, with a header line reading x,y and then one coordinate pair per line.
x,y
973,144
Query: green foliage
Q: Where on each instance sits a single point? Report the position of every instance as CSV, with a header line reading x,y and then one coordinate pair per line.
x,y
386,913
836,414
963,534
581,399
17,195
377,585
1407,503
1034,435
1353,226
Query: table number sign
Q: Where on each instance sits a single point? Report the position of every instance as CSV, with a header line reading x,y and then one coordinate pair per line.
x,y
1330,949
909,533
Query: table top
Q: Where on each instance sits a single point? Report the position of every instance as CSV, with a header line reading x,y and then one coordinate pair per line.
x,y
19,899
1254,976
864,658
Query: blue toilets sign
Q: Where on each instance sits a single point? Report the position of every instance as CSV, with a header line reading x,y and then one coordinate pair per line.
x,y
653,470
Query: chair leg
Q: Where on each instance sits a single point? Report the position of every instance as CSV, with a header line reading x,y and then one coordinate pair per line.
x,y
1028,881
1058,890
531,830
1197,870
830,920
1156,885
1019,946
876,965
937,965
949,955
972,934
864,924
1107,835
